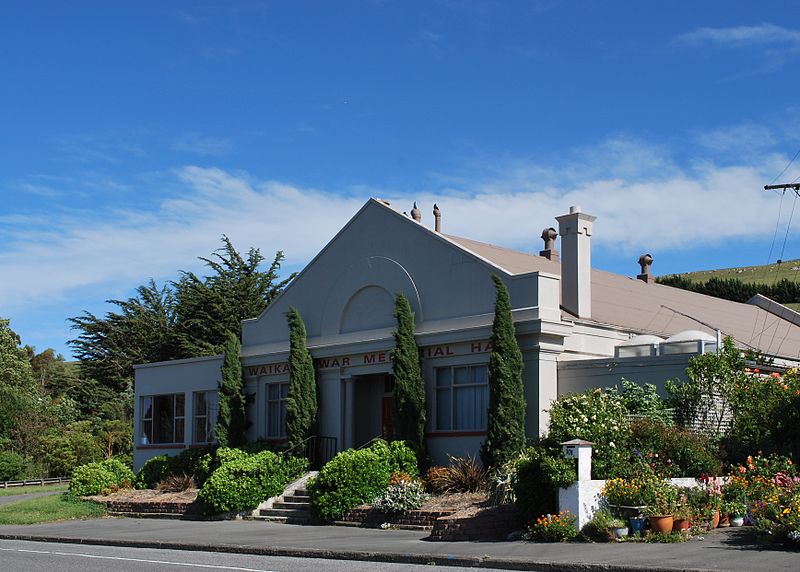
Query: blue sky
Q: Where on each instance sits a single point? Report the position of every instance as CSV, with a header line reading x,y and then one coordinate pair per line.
x,y
134,134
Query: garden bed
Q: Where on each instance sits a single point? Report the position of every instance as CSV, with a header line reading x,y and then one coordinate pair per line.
x,y
151,503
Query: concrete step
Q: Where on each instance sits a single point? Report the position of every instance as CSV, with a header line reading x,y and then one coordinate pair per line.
x,y
282,519
291,505
297,499
286,512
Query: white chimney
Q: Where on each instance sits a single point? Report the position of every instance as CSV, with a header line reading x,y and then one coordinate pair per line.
x,y
575,229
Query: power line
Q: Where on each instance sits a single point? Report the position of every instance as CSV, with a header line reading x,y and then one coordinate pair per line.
x,y
789,164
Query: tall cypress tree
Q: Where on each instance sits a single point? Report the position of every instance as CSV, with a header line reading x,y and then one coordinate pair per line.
x,y
409,388
301,402
231,419
505,434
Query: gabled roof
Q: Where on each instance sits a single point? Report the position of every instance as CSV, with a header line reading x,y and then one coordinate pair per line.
x,y
657,309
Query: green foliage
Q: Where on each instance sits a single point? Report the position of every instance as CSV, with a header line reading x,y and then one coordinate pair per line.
x,y
540,472
92,479
13,466
766,415
197,463
244,483
505,434
140,332
595,416
231,419
301,402
784,291
208,308
62,448
123,474
409,415
710,375
641,401
674,451
355,477
601,526
154,470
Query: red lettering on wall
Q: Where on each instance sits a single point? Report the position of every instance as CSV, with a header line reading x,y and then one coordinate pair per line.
x,y
345,362
382,357
369,358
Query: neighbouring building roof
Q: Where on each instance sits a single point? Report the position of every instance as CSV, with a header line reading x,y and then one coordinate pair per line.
x,y
652,308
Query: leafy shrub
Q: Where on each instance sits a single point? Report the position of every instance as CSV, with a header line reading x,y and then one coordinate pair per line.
x,y
13,466
91,479
463,475
357,476
123,474
244,483
674,451
553,527
153,472
100,478
540,472
400,496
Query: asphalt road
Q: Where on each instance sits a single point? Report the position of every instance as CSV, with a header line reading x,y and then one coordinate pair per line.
x,y
21,556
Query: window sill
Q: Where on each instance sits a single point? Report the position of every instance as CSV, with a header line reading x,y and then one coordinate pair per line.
x,y
435,434
202,445
162,446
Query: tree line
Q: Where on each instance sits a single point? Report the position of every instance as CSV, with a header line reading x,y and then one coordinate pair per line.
x,y
55,415
784,291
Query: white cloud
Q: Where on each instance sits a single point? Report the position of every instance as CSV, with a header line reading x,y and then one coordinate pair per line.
x,y
641,198
741,139
761,34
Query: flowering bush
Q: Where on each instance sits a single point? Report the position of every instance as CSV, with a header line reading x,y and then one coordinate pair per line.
x,y
553,527
595,416
402,494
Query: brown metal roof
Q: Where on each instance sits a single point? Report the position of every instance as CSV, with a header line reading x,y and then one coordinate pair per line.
x,y
631,304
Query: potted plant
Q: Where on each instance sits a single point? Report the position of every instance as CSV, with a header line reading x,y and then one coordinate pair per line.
x,y
682,516
662,507
619,527
737,511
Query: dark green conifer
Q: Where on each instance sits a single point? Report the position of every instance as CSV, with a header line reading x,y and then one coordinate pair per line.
x,y
301,402
409,388
231,419
505,434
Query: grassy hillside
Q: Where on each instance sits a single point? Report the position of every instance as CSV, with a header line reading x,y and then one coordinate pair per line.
x,y
767,274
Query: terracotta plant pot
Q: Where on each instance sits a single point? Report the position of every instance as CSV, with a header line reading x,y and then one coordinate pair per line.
x,y
681,524
724,521
662,524
715,520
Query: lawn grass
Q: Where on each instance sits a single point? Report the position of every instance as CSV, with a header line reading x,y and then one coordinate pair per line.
x,y
49,509
31,489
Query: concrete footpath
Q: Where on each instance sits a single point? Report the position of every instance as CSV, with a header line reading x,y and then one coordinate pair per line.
x,y
723,549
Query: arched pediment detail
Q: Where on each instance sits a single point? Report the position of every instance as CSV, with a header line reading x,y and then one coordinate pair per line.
x,y
362,284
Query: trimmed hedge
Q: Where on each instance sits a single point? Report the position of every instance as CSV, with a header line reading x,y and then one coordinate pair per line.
x,y
244,482
357,476
99,478
13,466
541,471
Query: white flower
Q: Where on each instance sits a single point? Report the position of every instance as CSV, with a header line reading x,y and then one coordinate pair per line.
x,y
611,444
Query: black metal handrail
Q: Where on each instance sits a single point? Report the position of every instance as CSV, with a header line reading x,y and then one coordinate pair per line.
x,y
370,442
318,449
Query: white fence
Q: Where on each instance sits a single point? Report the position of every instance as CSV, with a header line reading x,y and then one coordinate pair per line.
x,y
35,482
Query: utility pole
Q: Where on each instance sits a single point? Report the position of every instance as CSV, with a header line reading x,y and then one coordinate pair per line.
x,y
794,186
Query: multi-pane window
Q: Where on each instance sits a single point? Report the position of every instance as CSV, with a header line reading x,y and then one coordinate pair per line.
x,y
276,409
162,418
205,416
462,398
